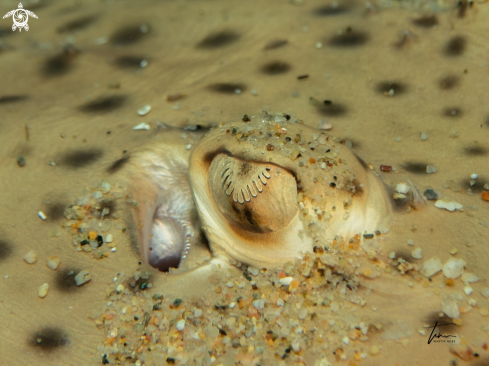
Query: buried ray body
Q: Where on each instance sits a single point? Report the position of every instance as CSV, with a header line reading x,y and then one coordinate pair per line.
x,y
264,192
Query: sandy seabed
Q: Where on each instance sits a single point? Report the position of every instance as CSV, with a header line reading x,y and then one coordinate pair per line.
x,y
70,90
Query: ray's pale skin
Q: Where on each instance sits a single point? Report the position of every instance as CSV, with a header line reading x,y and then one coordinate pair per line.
x,y
264,192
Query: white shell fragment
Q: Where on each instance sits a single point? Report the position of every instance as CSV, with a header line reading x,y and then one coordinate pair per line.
x,y
43,290
144,110
449,307
402,188
417,254
82,277
53,262
448,205
31,257
142,126
432,266
286,281
41,215
453,268
468,277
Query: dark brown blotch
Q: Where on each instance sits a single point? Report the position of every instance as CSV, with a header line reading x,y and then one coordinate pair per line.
x,y
6,249
331,109
129,62
61,63
426,21
81,158
4,32
48,338
434,317
478,186
6,99
330,10
277,43
64,280
118,164
227,88
452,112
77,24
218,39
415,167
455,46
475,150
449,82
275,68
104,104
129,35
111,205
348,38
55,211
391,88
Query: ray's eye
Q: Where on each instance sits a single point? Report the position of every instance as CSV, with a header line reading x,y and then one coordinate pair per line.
x,y
257,197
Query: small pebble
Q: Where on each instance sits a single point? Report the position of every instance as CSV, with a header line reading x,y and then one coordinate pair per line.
x,y
53,262
144,110
43,290
402,188
424,136
392,255
431,194
143,63
448,205
431,169
20,159
398,139
31,257
474,176
181,325
417,254
325,125
113,249
105,187
453,251
453,268
82,277
109,238
468,290
142,126
41,215
410,242
259,304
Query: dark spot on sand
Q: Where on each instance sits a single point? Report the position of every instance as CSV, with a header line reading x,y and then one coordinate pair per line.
x,y
4,32
76,24
452,112
129,61
12,99
129,34
330,10
104,104
277,43
110,205
449,82
331,109
55,211
391,88
415,167
81,158
433,317
475,150
61,63
48,338
427,21
275,68
349,38
227,88
6,249
218,39
477,187
455,46
64,280
118,164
